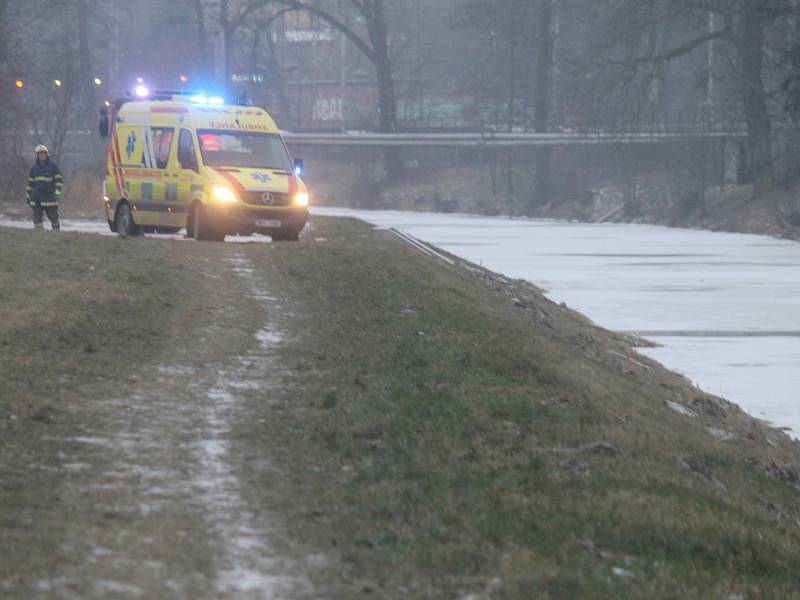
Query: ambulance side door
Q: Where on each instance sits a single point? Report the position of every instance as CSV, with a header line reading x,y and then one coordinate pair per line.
x,y
190,184
162,185
127,162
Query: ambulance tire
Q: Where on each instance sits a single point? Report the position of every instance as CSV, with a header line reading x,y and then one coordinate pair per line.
x,y
124,222
202,230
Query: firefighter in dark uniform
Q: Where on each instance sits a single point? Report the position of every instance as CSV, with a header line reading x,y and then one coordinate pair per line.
x,y
45,185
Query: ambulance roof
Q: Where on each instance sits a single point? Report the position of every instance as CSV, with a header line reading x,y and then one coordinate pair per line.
x,y
199,116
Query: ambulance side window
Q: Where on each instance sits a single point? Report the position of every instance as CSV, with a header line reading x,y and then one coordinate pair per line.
x,y
187,156
161,142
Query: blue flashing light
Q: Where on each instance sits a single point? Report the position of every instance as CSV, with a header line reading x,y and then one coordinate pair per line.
x,y
298,170
142,91
203,99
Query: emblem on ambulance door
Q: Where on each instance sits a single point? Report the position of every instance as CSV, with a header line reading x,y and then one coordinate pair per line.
x,y
131,144
261,177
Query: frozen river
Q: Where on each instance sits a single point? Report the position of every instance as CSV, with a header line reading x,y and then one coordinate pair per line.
x,y
724,308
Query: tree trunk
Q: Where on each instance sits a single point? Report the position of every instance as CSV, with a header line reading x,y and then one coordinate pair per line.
x,y
544,67
227,48
85,62
512,83
754,96
387,101
542,99
202,36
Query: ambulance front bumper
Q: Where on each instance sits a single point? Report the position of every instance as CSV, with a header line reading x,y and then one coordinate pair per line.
x,y
245,220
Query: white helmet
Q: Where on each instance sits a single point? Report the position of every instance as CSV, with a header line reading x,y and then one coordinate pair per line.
x,y
41,148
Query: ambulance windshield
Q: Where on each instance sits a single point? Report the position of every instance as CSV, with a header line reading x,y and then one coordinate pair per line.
x,y
243,149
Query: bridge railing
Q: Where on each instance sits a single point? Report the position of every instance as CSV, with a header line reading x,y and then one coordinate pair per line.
x,y
500,139
676,121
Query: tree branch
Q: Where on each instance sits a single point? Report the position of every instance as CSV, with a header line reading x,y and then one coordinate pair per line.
x,y
334,22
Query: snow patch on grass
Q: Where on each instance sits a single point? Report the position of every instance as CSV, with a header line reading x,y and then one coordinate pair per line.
x,y
680,408
249,566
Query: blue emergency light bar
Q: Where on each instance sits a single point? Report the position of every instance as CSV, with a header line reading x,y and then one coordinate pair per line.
x,y
203,99
143,92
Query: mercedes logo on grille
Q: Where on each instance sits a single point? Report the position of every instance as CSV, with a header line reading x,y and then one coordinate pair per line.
x,y
268,198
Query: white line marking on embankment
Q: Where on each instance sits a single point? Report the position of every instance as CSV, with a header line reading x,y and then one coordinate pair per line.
x,y
410,239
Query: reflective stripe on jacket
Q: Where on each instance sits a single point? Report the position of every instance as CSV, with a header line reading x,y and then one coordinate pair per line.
x,y
45,184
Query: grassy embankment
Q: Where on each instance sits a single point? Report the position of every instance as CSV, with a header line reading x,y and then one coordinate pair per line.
x,y
83,309
471,430
440,430
86,325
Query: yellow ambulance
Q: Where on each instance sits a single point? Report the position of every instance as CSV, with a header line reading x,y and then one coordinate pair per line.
x,y
178,161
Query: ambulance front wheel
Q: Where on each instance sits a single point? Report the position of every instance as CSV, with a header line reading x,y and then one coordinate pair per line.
x,y
201,228
124,222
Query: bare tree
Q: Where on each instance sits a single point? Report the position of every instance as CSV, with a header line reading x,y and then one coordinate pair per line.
x,y
745,28
375,46
542,98
372,41
518,77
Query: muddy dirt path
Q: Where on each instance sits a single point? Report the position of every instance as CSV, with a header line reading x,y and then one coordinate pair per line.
x,y
144,494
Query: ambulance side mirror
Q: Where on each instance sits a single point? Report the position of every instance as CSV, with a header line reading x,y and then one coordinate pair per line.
x,y
299,167
103,125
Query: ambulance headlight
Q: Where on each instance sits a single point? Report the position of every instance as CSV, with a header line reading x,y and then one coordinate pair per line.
x,y
301,199
223,194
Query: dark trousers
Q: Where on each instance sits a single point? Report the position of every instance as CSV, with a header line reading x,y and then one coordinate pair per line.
x,y
52,214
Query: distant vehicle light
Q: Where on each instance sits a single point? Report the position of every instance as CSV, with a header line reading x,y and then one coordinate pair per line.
x,y
140,80
98,81
19,83
58,82
183,78
301,199
223,194
142,91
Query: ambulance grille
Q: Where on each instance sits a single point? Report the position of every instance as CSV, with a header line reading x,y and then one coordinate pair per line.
x,y
266,199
